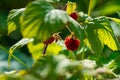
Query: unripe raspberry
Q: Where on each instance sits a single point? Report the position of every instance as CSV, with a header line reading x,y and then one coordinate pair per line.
x,y
72,43
49,41
74,15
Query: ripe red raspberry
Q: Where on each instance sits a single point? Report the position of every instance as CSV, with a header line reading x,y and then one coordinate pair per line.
x,y
72,43
74,15
49,41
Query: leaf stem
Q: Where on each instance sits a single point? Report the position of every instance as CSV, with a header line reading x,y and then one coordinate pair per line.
x,y
17,59
90,7
68,29
114,74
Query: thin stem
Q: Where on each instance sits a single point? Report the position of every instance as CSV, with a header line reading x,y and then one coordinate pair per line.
x,y
90,7
17,59
45,48
68,28
114,74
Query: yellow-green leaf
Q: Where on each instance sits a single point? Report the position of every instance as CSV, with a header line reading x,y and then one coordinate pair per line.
x,y
19,44
12,27
71,6
33,18
93,40
14,19
107,39
115,20
106,34
41,20
100,33
37,49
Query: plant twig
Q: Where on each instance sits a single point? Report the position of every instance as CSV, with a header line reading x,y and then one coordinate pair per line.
x,y
90,7
68,28
45,48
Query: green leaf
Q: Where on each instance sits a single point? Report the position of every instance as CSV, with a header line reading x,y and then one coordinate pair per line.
x,y
92,39
41,20
37,49
115,20
19,44
106,34
54,21
33,17
108,39
100,33
77,29
115,56
14,19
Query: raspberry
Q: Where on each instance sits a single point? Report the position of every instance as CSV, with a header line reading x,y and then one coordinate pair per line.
x,y
74,15
49,41
72,43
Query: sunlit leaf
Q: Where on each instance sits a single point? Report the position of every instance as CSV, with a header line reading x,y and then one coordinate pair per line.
x,y
19,44
54,21
71,7
37,49
106,34
33,17
14,19
92,39
100,33
107,39
41,20
115,20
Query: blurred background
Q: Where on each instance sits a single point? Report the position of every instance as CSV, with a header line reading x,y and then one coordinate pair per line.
x,y
109,8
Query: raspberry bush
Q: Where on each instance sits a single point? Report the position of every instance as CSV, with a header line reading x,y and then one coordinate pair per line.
x,y
65,42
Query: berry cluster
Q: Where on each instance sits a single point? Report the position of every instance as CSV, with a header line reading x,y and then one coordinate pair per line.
x,y
71,42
